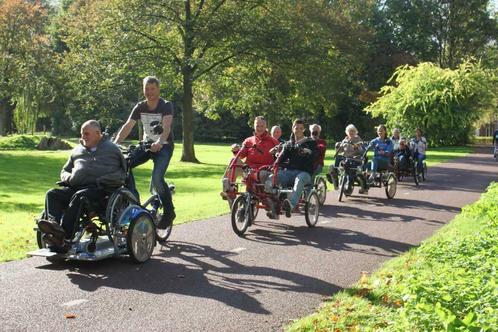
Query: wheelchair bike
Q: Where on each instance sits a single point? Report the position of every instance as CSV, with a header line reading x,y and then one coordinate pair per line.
x,y
258,195
408,170
352,172
117,225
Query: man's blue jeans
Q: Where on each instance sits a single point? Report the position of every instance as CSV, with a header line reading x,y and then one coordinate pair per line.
x,y
420,161
161,161
296,178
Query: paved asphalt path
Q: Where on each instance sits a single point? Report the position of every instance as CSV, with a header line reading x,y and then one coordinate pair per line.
x,y
208,279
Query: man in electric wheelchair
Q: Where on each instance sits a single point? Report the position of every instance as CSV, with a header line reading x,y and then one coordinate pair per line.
x,y
95,168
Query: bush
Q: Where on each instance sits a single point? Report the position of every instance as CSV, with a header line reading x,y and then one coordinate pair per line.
x,y
32,142
444,103
482,140
19,142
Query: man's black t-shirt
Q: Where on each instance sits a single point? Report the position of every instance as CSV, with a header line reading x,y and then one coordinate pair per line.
x,y
150,118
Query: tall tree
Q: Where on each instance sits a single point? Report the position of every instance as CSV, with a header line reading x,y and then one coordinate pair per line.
x,y
442,31
180,41
23,46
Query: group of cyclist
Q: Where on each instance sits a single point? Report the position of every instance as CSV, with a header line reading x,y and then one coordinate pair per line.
x,y
303,157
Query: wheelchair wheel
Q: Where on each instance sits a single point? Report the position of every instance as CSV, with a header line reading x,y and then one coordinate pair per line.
x,y
117,203
39,240
391,184
241,214
141,238
321,189
312,209
39,235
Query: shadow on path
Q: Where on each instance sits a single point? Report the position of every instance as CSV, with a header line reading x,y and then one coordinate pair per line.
x,y
201,272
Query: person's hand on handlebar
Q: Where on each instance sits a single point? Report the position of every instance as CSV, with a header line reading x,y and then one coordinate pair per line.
x,y
156,146
235,148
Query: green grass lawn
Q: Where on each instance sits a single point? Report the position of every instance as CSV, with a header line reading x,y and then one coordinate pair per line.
x,y
25,176
447,284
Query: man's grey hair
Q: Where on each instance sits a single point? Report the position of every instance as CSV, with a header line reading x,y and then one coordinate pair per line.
x,y
151,80
351,127
93,124
275,127
317,126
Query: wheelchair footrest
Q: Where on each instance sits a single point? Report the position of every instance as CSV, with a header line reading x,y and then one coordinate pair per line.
x,y
43,253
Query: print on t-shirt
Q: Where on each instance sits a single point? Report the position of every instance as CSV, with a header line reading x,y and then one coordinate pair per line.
x,y
149,120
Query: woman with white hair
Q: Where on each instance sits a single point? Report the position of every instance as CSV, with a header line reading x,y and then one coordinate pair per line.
x,y
396,139
349,147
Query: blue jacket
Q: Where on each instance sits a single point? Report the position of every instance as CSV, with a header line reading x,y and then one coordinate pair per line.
x,y
382,145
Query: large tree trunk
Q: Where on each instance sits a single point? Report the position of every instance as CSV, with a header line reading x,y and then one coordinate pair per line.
x,y
188,153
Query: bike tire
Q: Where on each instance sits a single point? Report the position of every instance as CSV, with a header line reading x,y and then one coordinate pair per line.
x,y
141,238
312,209
415,175
321,189
391,186
241,214
342,185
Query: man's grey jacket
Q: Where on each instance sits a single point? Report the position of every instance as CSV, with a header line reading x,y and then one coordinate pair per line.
x,y
105,167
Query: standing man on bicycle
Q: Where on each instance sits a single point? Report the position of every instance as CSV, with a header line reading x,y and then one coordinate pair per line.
x,y
151,112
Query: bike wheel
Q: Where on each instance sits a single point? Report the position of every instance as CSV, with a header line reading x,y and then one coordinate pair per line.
x,y
241,214
154,205
255,211
424,171
342,186
311,209
391,185
321,189
415,175
141,238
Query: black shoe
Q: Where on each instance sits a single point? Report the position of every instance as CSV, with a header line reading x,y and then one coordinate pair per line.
x,y
287,207
52,227
54,242
167,220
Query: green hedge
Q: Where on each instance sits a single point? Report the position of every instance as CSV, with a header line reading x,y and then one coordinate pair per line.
x,y
446,284
482,140
19,142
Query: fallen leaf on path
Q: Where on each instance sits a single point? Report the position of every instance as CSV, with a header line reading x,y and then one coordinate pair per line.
x,y
70,316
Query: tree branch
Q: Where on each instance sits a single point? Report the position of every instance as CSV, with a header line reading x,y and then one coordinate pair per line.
x,y
154,40
217,63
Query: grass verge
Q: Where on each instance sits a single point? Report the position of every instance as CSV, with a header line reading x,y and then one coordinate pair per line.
x,y
446,284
